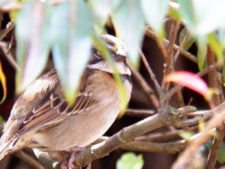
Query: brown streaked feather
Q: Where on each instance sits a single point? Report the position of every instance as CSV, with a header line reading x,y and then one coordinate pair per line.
x,y
45,109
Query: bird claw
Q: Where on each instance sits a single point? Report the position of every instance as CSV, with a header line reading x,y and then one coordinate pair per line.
x,y
69,162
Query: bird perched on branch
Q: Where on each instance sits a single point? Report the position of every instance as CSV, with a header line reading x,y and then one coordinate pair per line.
x,y
42,119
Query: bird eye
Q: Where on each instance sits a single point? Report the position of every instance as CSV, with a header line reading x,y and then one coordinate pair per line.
x,y
111,44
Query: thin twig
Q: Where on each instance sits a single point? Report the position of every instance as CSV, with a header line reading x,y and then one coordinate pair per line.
x,y
209,69
148,90
213,78
139,112
10,27
8,55
184,161
151,74
170,62
161,46
181,46
214,82
183,52
217,142
172,40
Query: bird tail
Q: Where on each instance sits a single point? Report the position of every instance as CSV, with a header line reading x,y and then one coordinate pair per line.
x,y
8,147
4,150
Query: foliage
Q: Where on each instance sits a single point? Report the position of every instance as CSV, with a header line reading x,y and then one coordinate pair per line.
x,y
130,161
67,29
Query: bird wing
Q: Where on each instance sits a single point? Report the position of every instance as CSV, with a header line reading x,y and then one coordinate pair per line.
x,y
42,105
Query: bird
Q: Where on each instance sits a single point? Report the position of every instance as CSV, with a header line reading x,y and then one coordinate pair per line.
x,y
42,119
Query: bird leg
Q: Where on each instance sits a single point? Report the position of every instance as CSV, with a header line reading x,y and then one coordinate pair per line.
x,y
68,163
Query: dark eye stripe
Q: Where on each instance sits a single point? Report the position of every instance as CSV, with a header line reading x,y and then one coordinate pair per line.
x,y
95,56
126,77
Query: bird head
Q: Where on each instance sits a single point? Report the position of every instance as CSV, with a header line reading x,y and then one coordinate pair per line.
x,y
118,61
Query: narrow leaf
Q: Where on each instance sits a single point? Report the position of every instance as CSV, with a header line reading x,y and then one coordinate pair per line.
x,y
216,46
189,80
187,135
103,8
200,15
201,53
173,10
33,43
155,12
189,40
3,82
221,35
221,154
72,32
129,24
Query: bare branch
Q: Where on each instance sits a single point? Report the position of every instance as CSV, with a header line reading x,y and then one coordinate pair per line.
x,y
152,75
126,135
184,161
214,82
181,46
148,90
183,52
139,112
170,147
8,55
122,137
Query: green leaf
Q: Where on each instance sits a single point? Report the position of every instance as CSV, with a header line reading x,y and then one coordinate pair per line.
x,y
189,40
103,8
3,83
13,13
173,11
223,75
1,120
130,161
216,46
155,12
201,54
221,36
221,154
72,32
187,135
200,15
129,24
33,43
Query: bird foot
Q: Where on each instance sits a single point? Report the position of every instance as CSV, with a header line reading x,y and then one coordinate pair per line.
x,y
68,163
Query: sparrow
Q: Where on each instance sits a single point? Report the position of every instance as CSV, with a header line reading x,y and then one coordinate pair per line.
x,y
42,119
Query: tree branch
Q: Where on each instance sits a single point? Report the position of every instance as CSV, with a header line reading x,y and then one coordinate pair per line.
x,y
185,160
